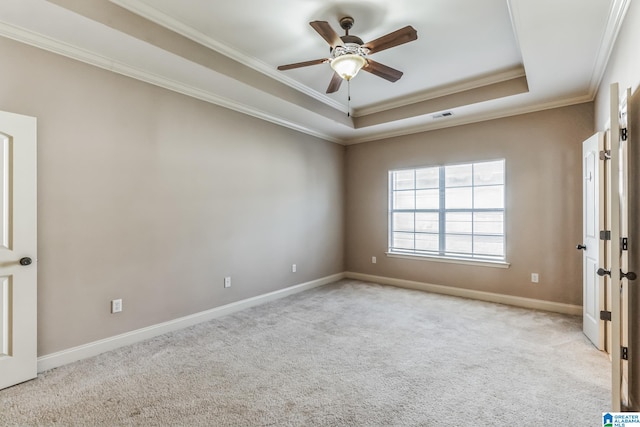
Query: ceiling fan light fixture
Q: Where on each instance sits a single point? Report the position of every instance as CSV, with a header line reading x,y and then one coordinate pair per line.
x,y
350,55
348,65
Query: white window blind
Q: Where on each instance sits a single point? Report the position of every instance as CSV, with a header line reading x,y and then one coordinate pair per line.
x,y
454,211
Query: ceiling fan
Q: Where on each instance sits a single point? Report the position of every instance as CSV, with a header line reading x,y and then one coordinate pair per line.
x,y
349,54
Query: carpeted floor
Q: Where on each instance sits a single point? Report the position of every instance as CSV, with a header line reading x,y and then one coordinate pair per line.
x,y
346,354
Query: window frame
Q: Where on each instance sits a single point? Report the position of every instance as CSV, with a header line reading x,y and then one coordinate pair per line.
x,y
441,254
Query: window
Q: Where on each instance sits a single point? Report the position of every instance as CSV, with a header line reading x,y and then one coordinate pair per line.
x,y
454,211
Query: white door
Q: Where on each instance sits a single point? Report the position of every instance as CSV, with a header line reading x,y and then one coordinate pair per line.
x,y
624,255
619,259
18,282
592,247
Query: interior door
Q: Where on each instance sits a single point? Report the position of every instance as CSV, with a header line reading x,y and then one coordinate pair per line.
x,y
619,258
624,254
593,193
18,273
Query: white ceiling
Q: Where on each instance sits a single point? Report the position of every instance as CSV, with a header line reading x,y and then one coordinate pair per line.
x,y
451,47
476,59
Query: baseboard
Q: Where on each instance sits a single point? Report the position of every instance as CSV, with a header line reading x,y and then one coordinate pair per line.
x,y
536,304
94,348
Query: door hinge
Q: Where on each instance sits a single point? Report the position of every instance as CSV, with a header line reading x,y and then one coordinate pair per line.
x,y
624,353
623,134
605,155
605,315
624,243
605,235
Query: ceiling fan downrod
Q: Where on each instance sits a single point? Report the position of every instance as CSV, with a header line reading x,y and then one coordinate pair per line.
x,y
346,23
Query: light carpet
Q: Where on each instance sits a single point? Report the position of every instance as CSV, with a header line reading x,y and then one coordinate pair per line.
x,y
346,354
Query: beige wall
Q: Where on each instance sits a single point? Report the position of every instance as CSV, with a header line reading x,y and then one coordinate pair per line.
x,y
624,68
154,197
543,210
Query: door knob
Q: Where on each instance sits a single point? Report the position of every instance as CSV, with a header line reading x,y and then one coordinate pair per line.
x,y
630,275
25,261
581,247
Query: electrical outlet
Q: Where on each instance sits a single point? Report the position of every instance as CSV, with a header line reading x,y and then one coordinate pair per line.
x,y
294,268
373,260
535,278
116,306
227,282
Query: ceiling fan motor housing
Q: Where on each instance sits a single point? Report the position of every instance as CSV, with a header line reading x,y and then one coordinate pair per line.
x,y
352,39
346,23
349,49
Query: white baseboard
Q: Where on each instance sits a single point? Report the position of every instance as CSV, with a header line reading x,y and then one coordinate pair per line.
x,y
468,293
94,348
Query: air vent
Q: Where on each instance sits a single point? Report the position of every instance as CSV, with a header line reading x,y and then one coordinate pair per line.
x,y
443,114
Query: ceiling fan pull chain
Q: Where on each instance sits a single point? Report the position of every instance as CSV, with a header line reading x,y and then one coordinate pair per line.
x,y
348,98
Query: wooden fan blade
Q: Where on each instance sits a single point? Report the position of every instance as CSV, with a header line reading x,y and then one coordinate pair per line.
x,y
383,71
302,64
398,37
324,29
335,83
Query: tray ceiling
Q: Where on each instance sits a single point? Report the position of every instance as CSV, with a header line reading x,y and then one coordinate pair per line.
x,y
472,60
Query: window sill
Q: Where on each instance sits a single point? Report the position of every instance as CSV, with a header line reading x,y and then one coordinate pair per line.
x,y
451,260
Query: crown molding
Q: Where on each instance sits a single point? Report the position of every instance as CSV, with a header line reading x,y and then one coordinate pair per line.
x,y
469,119
482,93
402,127
85,56
486,80
61,48
178,27
614,24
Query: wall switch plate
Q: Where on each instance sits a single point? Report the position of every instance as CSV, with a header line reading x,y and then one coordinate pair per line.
x,y
535,278
227,282
294,268
373,260
116,306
